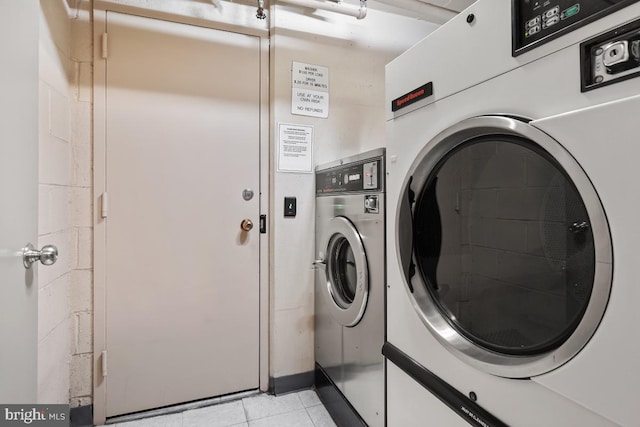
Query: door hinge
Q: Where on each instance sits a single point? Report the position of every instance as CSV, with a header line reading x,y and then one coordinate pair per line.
x,y
104,205
104,45
104,363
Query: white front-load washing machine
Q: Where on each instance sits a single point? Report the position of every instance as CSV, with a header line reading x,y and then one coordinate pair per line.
x,y
512,159
350,288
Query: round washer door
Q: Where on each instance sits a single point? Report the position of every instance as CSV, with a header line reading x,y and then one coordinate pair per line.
x,y
347,276
504,246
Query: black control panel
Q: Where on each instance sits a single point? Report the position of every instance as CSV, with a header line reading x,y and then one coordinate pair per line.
x,y
365,176
535,22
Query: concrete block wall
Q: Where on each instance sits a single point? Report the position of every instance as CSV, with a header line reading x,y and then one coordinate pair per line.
x,y
54,282
65,298
81,209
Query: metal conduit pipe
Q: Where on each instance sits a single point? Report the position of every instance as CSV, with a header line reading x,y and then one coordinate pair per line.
x,y
429,12
338,7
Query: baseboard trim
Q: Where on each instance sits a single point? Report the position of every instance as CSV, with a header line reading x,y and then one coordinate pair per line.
x,y
289,383
82,416
343,414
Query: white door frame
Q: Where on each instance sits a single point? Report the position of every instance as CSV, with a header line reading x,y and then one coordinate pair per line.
x,y
101,7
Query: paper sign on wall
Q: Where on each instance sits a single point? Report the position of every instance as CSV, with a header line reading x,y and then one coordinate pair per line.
x,y
309,90
295,148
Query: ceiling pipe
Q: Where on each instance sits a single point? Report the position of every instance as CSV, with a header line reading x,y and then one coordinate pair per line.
x,y
358,12
432,13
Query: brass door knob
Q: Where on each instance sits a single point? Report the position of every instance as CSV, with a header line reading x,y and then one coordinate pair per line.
x,y
246,225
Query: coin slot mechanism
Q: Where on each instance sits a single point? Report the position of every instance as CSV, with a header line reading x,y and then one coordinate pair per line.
x,y
611,57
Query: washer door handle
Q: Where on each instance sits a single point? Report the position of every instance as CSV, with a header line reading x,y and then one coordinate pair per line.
x,y
320,263
579,227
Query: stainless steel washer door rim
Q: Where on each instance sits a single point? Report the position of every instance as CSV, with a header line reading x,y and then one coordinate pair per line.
x,y
346,289
431,312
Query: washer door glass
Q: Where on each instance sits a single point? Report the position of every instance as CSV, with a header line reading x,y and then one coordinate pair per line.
x,y
342,271
503,247
347,272
511,261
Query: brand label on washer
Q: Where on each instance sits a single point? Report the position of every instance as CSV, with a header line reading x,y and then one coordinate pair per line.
x,y
415,95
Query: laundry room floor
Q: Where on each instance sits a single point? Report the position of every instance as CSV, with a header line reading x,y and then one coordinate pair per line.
x,y
300,409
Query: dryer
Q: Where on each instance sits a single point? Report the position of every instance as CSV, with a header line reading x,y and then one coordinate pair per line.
x,y
350,288
512,158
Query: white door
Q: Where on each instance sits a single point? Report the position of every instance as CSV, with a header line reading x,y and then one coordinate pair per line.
x,y
182,145
19,199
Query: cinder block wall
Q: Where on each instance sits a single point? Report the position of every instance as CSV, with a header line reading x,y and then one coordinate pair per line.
x,y
65,176
81,215
54,192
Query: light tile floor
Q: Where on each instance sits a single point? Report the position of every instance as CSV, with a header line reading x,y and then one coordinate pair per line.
x,y
301,409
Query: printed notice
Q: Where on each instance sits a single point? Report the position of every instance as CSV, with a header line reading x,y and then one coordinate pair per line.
x,y
295,148
309,90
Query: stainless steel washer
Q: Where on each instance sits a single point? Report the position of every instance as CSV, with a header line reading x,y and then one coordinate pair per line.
x,y
350,288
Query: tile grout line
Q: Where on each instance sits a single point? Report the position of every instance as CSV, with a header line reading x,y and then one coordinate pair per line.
x,y
304,407
310,417
244,409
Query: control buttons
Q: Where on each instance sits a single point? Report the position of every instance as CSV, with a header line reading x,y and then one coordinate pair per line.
x,y
533,22
551,13
551,21
533,30
532,26
550,17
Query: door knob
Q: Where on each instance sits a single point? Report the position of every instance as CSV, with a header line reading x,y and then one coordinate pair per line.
x,y
246,225
47,256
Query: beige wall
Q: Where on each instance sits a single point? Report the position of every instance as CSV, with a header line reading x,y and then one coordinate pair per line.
x,y
355,53
64,306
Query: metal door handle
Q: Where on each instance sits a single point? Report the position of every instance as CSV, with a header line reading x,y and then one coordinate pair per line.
x,y
320,263
579,227
47,256
246,225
